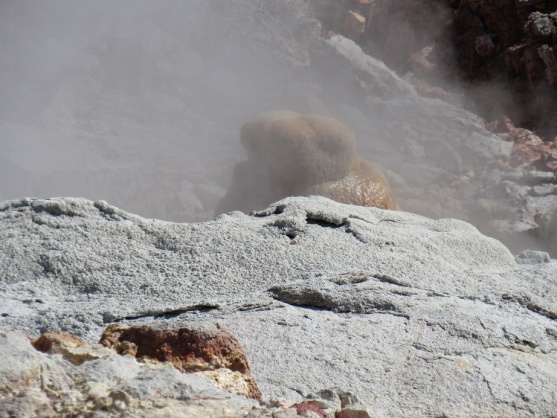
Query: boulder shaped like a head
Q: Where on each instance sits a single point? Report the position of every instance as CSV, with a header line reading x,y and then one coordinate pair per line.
x,y
290,154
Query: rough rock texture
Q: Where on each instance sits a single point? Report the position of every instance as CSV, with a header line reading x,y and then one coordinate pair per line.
x,y
400,314
523,202
299,155
516,41
33,384
345,308
357,75
366,185
531,149
304,407
189,347
442,161
407,36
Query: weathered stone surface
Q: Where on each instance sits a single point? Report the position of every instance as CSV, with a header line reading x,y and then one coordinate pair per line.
x,y
155,142
241,384
29,403
33,384
22,367
105,123
532,257
193,347
407,299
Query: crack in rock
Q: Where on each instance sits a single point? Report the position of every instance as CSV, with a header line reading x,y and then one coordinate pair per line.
x,y
164,313
308,297
526,302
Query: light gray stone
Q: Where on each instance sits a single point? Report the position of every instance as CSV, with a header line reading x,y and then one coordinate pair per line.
x,y
22,367
412,316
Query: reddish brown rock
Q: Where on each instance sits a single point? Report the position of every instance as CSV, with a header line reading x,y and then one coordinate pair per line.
x,y
425,89
531,149
190,347
422,60
303,407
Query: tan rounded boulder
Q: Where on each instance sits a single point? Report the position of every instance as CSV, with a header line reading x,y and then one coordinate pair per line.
x,y
290,154
296,151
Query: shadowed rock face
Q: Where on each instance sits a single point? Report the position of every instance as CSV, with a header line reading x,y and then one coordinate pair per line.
x,y
291,154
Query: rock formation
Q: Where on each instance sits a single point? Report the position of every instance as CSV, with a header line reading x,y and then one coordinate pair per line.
x,y
377,312
152,141
506,48
298,155
366,185
341,310
33,384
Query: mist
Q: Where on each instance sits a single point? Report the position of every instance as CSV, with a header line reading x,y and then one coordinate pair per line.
x,y
140,103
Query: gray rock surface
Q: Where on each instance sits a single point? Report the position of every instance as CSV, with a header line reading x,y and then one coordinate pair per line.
x,y
360,75
414,317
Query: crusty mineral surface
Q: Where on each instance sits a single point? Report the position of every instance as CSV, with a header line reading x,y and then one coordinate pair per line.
x,y
72,348
413,316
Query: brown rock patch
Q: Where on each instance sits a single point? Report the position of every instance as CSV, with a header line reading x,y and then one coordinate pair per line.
x,y
190,347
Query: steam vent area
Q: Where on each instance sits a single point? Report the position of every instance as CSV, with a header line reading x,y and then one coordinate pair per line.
x,y
278,208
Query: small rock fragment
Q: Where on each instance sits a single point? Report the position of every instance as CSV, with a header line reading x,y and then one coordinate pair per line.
x,y
70,347
532,257
305,407
354,412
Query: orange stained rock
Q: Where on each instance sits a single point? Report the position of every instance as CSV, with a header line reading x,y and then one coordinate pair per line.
x,y
364,186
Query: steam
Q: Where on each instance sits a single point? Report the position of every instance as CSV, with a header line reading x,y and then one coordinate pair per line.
x,y
140,103
134,102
